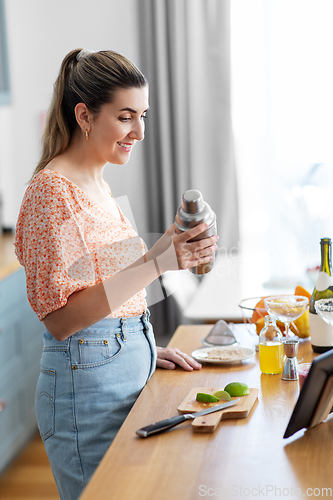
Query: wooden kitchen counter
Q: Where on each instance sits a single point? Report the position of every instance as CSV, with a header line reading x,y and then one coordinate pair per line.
x,y
243,458
8,259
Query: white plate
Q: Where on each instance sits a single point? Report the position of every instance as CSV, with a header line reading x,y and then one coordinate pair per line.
x,y
239,354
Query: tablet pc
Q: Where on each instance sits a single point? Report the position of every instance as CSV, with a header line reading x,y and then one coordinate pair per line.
x,y
316,397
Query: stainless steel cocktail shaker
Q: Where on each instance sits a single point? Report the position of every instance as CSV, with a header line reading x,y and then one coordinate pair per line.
x,y
192,212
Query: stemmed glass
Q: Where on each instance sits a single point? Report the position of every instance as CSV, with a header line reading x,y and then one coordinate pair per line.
x,y
324,308
287,308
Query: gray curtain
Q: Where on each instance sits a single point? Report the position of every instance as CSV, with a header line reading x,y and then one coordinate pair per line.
x,y
185,54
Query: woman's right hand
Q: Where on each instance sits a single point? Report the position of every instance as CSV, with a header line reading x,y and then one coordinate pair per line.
x,y
173,251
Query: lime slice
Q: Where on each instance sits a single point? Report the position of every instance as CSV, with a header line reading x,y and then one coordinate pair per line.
x,y
237,389
221,394
206,398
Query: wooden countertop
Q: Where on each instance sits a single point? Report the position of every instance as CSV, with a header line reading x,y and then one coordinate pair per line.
x,y
8,259
239,458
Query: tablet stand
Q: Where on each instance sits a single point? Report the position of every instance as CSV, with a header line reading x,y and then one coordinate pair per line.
x,y
324,405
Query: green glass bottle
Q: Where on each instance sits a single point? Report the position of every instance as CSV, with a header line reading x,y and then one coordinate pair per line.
x,y
320,331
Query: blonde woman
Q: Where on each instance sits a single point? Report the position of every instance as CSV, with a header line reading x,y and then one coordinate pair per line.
x,y
86,269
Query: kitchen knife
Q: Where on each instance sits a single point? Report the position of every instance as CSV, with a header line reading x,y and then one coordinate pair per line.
x,y
163,425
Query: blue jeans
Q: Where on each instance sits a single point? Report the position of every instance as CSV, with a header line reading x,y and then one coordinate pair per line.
x,y
87,386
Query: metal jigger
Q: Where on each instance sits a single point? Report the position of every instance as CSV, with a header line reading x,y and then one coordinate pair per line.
x,y
290,371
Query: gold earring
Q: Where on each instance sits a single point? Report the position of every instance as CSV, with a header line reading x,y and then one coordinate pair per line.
x,y
86,135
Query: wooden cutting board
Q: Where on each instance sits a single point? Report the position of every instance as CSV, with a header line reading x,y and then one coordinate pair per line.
x,y
208,423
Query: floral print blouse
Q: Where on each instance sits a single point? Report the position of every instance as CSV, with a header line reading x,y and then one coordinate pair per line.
x,y
66,242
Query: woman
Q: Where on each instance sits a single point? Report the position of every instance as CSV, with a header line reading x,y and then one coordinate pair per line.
x,y
86,269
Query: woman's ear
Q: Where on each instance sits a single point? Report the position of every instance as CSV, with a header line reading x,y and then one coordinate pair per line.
x,y
82,116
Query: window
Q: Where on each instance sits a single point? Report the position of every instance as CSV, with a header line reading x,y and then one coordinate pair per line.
x,y
283,125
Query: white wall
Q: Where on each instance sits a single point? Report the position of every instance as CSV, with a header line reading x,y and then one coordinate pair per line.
x,y
40,33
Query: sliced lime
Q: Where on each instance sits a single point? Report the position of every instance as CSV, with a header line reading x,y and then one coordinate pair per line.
x,y
221,394
237,389
206,398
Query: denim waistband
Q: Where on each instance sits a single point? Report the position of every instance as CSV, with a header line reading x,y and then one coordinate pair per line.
x,y
106,326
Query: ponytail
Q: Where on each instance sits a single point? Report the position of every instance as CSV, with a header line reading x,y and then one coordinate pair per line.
x,y
57,131
88,77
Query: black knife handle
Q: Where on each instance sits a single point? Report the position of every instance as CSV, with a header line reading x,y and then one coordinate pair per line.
x,y
163,425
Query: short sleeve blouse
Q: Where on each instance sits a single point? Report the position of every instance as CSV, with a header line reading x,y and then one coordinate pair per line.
x,y
66,241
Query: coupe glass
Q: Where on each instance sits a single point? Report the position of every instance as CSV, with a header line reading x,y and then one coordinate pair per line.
x,y
287,308
324,308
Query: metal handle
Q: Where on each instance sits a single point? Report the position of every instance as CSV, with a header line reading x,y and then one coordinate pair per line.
x,y
163,425
2,405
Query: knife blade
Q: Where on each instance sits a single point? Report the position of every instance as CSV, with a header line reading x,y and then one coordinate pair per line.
x,y
163,425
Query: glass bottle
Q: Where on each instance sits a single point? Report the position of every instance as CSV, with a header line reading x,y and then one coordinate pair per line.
x,y
271,352
320,331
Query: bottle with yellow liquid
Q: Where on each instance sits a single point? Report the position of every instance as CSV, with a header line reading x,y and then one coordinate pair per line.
x,y
271,351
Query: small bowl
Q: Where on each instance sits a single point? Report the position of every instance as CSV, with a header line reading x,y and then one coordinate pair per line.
x,y
248,307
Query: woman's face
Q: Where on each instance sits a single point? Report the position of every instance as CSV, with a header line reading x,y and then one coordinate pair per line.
x,y
119,125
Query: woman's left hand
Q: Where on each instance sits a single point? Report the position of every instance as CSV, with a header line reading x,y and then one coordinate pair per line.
x,y
169,357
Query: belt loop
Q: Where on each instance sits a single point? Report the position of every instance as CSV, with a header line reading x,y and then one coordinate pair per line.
x,y
123,322
145,319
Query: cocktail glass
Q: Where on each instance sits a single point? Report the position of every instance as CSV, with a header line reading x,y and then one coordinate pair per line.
x,y
324,308
287,308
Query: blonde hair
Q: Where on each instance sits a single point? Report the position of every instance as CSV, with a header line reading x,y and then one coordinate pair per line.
x,y
88,77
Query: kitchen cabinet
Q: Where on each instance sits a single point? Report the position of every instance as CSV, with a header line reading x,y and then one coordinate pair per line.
x,y
21,339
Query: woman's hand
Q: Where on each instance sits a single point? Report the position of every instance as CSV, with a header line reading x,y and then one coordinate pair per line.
x,y
169,357
173,251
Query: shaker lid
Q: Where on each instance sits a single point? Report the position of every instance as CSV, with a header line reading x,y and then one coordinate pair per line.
x,y
193,210
192,201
